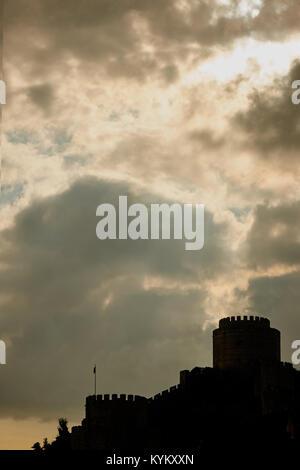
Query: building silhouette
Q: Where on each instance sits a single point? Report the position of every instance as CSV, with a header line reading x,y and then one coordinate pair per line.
x,y
247,394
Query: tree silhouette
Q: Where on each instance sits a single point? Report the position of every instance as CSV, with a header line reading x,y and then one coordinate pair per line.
x,y
37,447
46,444
62,428
62,441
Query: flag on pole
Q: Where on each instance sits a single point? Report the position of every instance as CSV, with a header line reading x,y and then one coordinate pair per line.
x,y
95,384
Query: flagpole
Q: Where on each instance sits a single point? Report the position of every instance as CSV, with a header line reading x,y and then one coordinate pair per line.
x,y
1,78
95,373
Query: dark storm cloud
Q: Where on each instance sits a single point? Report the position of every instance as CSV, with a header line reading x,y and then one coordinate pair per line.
x,y
42,96
70,299
277,19
278,298
112,33
274,240
170,73
272,121
274,236
207,139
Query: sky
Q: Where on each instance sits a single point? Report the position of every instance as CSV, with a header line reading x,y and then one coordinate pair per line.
x,y
163,101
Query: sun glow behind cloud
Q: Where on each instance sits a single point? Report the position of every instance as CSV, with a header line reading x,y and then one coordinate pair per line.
x,y
245,7
271,58
148,97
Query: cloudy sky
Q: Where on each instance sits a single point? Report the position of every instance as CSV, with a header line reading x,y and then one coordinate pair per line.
x,y
162,100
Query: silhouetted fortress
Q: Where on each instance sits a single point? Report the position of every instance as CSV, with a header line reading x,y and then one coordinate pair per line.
x,y
247,394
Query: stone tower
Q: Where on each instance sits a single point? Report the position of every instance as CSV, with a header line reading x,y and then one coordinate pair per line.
x,y
240,342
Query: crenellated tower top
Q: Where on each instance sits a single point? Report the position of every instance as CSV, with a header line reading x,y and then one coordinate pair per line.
x,y
243,340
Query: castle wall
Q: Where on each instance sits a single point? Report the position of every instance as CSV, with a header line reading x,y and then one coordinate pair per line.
x,y
247,391
110,419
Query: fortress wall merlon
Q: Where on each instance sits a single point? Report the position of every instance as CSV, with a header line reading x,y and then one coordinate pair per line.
x,y
169,393
184,374
174,389
139,398
237,321
93,400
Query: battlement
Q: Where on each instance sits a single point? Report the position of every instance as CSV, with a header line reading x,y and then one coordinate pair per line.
x,y
167,393
98,399
244,321
241,341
